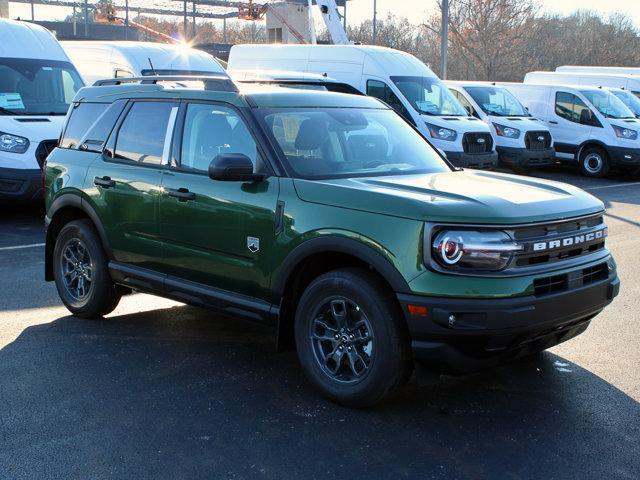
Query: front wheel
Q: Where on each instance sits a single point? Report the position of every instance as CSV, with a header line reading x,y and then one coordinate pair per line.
x,y
594,162
351,340
80,270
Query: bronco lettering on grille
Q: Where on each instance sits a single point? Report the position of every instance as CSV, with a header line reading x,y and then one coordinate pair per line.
x,y
570,241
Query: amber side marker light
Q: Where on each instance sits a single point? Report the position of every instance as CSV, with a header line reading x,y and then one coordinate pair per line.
x,y
418,310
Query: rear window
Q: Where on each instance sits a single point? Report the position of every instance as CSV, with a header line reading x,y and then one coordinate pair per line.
x,y
83,116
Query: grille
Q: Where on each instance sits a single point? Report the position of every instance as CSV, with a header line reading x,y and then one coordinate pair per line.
x,y
44,149
562,241
537,140
560,283
474,143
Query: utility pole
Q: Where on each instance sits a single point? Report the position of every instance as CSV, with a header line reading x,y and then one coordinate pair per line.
x,y
193,23
184,19
444,39
86,19
126,19
33,13
375,22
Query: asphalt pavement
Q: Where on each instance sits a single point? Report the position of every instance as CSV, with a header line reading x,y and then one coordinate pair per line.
x,y
161,390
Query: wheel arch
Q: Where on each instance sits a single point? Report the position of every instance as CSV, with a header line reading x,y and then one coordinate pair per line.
x,y
320,255
64,209
591,143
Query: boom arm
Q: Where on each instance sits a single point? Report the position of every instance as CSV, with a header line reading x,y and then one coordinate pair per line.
x,y
331,17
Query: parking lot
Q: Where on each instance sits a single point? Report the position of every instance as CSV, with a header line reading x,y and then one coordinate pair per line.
x,y
163,390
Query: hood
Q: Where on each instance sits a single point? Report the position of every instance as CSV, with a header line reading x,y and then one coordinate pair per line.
x,y
524,124
460,197
459,124
34,127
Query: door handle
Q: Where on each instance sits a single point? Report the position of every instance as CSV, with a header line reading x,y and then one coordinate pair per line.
x,y
553,122
104,182
182,194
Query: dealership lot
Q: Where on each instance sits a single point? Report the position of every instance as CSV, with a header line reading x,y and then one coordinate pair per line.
x,y
166,390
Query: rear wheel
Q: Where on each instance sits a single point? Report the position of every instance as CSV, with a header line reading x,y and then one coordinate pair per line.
x,y
80,269
351,340
594,162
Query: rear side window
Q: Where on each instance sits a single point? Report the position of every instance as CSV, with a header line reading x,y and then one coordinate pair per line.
x,y
144,132
569,106
82,118
381,90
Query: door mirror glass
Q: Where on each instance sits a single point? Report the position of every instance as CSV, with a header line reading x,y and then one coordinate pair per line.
x,y
233,167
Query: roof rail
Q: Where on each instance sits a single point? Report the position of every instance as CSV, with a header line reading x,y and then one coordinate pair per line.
x,y
211,82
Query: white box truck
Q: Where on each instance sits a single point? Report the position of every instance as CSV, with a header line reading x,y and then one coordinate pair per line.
x,y
523,142
37,85
398,78
589,125
99,60
616,84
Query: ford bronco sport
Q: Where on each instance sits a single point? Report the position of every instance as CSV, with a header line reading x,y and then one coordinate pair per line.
x,y
325,214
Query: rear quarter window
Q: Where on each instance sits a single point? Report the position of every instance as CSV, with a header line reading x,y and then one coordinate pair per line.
x,y
90,124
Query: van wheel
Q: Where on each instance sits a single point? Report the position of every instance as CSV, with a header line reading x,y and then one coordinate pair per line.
x,y
594,162
80,270
351,338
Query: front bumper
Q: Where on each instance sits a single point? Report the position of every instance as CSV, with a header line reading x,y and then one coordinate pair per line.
x,y
18,184
483,161
460,334
622,156
524,158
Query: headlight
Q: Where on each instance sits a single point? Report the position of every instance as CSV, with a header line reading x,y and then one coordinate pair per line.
x,y
627,133
13,143
442,133
508,132
462,250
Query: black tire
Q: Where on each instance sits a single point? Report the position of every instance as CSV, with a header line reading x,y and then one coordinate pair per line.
x,y
364,301
78,256
594,162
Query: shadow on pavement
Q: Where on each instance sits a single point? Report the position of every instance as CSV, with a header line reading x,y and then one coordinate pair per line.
x,y
180,393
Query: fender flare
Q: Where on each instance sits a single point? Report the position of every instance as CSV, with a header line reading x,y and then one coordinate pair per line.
x,y
591,142
333,243
75,201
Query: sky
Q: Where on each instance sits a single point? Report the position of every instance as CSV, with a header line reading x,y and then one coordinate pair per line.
x,y
359,10
417,10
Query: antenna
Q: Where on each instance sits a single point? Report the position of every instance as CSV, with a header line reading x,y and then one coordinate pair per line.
x,y
151,65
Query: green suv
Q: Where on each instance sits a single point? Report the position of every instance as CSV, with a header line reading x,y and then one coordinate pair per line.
x,y
324,214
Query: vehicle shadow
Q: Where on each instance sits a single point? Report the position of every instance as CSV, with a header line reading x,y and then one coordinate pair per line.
x,y
180,393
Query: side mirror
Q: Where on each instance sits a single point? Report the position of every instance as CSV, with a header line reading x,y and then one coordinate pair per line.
x,y
233,167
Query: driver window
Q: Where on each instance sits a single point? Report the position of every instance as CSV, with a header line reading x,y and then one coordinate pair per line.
x,y
465,103
381,90
570,107
210,130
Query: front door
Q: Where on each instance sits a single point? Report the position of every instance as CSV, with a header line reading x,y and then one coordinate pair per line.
x,y
567,124
217,233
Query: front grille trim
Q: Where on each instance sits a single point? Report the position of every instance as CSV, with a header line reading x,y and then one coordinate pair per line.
x,y
584,259
532,143
471,146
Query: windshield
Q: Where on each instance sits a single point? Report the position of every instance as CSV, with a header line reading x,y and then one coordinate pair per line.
x,y
607,104
629,99
497,101
428,95
349,142
37,87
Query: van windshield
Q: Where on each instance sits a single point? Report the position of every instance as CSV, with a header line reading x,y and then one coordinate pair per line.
x,y
629,99
349,142
497,101
428,95
607,104
37,87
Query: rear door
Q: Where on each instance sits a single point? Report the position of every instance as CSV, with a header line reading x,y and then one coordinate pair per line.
x,y
125,181
217,233
565,122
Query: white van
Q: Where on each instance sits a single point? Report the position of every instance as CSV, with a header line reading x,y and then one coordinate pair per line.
x,y
608,82
98,60
606,70
37,85
626,81
589,125
397,78
523,142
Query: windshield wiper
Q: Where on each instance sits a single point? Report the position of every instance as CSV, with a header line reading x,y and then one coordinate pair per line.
x,y
4,111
